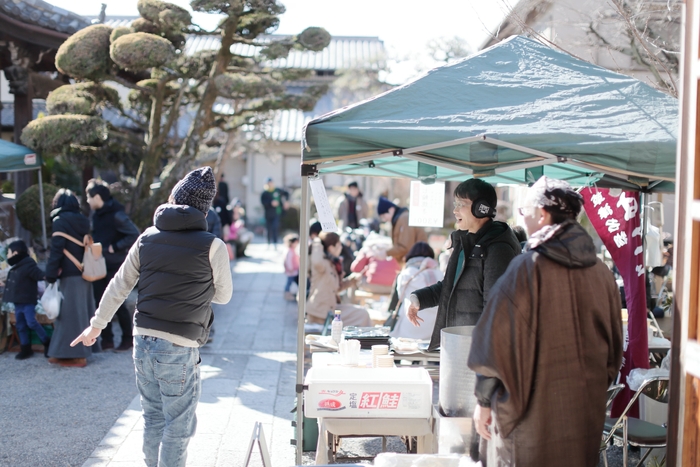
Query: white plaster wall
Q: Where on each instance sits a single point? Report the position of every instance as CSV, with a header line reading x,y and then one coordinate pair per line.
x,y
566,24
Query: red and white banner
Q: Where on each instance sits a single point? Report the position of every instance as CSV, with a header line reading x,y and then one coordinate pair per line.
x,y
617,220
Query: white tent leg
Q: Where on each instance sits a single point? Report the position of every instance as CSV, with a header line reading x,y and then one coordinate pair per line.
x,y
43,216
303,275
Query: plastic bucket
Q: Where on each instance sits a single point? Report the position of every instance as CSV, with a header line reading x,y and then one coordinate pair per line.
x,y
456,379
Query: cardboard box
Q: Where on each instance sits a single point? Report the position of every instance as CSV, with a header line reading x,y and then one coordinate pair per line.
x,y
368,393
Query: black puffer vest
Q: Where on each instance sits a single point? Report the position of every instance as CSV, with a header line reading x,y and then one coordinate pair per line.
x,y
176,283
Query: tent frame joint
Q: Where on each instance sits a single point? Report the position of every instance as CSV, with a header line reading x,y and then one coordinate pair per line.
x,y
397,152
309,170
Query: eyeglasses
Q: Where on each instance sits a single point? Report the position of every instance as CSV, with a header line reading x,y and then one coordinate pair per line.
x,y
459,205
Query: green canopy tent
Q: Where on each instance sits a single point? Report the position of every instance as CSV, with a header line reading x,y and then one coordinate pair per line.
x,y
508,114
16,158
515,108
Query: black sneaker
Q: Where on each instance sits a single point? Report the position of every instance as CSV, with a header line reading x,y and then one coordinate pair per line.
x,y
124,347
47,343
107,345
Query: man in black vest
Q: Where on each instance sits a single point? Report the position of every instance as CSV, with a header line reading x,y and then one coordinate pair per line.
x,y
180,269
114,230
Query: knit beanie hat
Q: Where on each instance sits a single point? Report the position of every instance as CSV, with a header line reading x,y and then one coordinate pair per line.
x,y
384,205
196,189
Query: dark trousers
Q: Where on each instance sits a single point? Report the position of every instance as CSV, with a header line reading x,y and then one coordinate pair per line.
x,y
123,315
25,320
273,229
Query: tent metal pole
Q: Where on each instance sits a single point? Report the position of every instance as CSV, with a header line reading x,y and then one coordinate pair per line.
x,y
444,144
444,165
527,165
303,274
43,213
326,165
517,147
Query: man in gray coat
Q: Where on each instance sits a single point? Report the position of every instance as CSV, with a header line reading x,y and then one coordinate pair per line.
x,y
180,269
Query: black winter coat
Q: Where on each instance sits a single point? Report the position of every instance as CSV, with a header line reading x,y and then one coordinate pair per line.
x,y
461,302
112,227
73,223
214,224
20,286
266,199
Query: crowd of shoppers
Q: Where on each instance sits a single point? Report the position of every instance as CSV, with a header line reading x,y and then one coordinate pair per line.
x,y
525,345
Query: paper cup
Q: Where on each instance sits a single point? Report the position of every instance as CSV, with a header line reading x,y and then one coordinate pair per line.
x,y
378,350
385,361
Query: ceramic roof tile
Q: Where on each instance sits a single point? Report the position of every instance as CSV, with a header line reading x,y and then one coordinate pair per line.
x,y
43,14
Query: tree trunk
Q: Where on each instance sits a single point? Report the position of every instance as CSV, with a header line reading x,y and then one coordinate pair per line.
x,y
185,158
143,203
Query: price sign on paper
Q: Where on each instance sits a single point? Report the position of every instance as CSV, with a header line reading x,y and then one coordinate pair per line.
x,y
323,207
427,205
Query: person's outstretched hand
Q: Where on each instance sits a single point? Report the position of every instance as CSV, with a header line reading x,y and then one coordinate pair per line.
x,y
412,315
482,420
87,337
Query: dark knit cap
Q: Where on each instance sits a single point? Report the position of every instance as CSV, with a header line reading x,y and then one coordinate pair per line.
x,y
384,205
196,189
18,246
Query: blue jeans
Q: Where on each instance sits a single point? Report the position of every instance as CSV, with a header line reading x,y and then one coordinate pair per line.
x,y
291,280
26,320
167,377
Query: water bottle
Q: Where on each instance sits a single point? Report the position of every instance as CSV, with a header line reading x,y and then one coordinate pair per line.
x,y
337,328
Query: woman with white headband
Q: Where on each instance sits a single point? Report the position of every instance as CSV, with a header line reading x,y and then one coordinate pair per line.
x,y
549,342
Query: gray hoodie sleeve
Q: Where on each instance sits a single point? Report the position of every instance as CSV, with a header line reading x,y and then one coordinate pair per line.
x,y
221,270
118,289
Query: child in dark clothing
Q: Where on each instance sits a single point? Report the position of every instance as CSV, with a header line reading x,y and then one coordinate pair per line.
x,y
21,289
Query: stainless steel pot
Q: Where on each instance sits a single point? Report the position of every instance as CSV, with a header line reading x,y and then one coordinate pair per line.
x,y
456,379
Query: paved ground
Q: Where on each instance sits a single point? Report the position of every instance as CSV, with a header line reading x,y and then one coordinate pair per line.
x,y
91,416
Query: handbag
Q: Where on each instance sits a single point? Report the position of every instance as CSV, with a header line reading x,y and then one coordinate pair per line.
x,y
51,301
94,266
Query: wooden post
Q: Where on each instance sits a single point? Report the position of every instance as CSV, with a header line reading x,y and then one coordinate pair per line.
x,y
21,88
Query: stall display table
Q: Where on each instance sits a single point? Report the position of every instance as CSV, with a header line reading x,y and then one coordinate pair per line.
x,y
362,401
331,429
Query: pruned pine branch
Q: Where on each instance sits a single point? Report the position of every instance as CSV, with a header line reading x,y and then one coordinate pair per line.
x,y
130,85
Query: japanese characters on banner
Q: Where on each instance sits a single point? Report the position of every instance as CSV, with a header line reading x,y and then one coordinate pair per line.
x,y
424,209
617,220
323,207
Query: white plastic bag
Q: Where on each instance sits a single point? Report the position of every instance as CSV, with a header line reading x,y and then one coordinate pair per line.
x,y
51,300
637,376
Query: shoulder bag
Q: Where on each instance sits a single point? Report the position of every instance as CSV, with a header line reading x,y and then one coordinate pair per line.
x,y
94,266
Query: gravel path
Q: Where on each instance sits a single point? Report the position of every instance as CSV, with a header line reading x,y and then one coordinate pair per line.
x,y
54,416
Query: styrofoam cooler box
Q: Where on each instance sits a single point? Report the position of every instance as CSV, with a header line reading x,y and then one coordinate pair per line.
x,y
339,392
